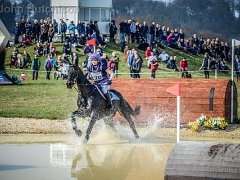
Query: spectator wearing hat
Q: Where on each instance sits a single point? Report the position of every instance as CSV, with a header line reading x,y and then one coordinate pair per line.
x,y
36,64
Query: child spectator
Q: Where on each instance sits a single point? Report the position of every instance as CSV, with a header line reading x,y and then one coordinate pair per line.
x,y
66,48
45,49
26,59
20,61
75,59
154,67
13,60
155,52
150,59
172,63
148,52
15,49
114,63
52,49
38,49
87,49
25,41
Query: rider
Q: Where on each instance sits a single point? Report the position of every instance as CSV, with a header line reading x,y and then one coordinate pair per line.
x,y
101,75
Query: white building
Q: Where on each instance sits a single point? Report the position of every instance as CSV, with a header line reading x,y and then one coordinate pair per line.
x,y
84,10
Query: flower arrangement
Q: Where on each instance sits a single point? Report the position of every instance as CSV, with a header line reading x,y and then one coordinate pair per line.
x,y
210,123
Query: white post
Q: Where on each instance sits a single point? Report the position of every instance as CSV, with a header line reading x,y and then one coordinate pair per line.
x,y
216,73
94,49
178,118
233,59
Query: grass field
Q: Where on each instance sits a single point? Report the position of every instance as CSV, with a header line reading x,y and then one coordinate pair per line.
x,y
52,100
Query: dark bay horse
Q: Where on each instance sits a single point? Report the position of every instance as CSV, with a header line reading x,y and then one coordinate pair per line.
x,y
92,104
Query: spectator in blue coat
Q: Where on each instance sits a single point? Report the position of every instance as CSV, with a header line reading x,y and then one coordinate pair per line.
x,y
63,30
48,65
55,26
71,28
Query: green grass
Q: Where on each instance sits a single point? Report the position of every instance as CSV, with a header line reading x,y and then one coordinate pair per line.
x,y
52,100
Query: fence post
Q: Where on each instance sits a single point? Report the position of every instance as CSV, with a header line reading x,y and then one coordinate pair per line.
x,y
216,73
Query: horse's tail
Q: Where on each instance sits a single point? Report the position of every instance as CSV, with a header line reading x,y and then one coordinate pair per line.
x,y
130,110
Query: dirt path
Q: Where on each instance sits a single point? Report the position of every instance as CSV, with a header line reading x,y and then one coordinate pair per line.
x,y
44,126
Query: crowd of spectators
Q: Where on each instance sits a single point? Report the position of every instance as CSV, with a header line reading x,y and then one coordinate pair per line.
x,y
42,33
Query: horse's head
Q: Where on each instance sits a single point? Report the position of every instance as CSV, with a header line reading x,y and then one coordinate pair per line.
x,y
72,75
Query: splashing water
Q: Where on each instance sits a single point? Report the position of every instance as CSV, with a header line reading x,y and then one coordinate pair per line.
x,y
103,134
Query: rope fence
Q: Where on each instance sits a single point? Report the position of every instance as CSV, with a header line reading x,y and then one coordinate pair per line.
x,y
159,73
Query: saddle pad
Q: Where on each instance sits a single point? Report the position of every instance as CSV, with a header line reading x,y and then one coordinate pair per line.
x,y
114,96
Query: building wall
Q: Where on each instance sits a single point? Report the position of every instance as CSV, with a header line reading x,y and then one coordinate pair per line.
x,y
73,9
96,3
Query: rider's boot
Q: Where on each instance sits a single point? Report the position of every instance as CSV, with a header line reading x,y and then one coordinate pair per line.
x,y
109,99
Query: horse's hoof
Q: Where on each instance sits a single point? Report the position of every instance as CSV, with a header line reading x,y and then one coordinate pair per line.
x,y
85,140
79,132
136,136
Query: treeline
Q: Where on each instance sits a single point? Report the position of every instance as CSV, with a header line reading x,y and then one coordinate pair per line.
x,y
206,17
16,10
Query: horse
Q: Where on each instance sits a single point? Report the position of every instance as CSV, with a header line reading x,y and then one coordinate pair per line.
x,y
92,104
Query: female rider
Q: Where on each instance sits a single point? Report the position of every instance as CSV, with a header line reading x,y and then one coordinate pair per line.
x,y
101,75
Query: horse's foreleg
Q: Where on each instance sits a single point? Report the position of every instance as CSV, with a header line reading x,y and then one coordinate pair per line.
x,y
74,123
89,129
131,123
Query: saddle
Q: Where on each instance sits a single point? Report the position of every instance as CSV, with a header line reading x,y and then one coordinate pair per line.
x,y
113,95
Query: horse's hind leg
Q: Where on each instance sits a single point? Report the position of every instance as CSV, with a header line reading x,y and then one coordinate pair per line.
x,y
131,123
74,123
109,122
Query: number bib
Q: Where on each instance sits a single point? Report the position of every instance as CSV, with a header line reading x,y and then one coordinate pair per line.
x,y
97,76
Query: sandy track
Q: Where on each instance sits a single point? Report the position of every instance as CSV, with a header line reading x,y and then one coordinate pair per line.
x,y
45,126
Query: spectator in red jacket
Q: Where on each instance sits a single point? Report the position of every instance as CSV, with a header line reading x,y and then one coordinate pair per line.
x,y
184,67
148,52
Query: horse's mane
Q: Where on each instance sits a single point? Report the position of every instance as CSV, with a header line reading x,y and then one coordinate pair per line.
x,y
81,77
